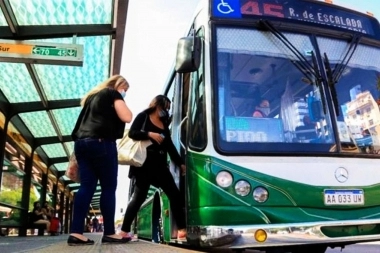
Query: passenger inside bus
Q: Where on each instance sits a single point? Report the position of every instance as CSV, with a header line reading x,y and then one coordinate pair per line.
x,y
307,132
262,110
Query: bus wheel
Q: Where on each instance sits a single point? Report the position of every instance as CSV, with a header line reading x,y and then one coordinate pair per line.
x,y
309,249
157,226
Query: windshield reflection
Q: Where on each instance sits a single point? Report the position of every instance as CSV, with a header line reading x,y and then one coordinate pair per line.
x,y
267,95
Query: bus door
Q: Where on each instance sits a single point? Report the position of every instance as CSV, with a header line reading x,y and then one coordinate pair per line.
x,y
179,97
189,117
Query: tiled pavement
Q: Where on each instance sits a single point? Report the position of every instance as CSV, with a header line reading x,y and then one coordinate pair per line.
x,y
57,244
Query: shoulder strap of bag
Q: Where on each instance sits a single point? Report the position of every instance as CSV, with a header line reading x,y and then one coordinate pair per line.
x,y
80,117
143,126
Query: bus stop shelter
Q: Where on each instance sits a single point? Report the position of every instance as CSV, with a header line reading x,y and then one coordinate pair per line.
x,y
40,91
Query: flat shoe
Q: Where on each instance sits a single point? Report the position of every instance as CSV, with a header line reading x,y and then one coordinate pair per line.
x,y
107,239
73,241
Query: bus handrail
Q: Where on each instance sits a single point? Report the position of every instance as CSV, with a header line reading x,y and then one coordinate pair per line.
x,y
179,133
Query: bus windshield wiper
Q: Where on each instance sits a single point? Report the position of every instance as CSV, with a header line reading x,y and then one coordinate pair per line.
x,y
303,64
331,84
333,76
340,67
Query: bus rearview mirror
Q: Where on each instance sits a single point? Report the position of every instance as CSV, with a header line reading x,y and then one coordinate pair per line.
x,y
188,54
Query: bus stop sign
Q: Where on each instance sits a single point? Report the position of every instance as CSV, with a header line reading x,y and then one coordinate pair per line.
x,y
41,53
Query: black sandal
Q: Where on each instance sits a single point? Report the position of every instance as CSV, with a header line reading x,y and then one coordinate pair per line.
x,y
74,241
107,239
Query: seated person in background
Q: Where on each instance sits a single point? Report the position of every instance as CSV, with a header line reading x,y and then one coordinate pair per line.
x,y
38,216
262,110
47,211
308,130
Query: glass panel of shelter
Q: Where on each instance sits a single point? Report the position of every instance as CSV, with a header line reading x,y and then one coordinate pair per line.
x,y
59,81
67,12
16,84
54,150
66,119
3,22
38,123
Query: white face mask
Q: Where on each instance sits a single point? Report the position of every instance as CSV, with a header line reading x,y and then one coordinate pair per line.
x,y
123,93
265,110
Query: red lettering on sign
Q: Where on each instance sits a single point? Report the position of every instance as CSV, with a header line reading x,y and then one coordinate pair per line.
x,y
251,8
274,10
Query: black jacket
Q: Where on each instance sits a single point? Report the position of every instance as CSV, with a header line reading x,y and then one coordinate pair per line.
x,y
156,153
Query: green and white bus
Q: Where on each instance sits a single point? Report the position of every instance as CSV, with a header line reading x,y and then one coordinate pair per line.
x,y
305,174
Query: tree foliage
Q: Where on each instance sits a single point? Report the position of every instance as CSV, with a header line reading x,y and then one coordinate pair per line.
x,y
13,197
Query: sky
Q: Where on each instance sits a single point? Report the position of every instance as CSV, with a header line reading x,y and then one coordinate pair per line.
x,y
153,28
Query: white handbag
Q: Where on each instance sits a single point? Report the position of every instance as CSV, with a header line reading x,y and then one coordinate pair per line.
x,y
132,152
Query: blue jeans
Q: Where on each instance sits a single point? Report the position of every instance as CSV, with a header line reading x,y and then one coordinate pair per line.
x,y
97,160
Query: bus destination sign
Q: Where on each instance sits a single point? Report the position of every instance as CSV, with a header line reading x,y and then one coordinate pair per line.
x,y
313,12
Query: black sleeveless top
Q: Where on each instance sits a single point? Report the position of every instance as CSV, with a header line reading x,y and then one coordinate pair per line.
x,y
98,118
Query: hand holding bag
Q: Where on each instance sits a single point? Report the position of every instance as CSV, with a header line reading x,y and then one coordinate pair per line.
x,y
132,152
72,170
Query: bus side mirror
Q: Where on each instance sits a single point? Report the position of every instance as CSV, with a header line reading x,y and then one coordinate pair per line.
x,y
188,54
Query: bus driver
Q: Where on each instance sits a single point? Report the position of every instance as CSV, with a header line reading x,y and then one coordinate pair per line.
x,y
262,110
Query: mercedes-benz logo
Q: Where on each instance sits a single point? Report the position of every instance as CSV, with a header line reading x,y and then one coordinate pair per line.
x,y
341,174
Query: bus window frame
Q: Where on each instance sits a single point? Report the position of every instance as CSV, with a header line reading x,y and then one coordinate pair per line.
x,y
256,148
196,81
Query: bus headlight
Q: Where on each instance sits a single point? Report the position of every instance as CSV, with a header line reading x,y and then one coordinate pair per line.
x,y
242,188
224,179
260,194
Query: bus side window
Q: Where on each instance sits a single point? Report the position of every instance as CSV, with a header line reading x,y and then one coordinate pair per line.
x,y
198,125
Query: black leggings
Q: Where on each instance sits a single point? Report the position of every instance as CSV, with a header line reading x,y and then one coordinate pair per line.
x,y
163,180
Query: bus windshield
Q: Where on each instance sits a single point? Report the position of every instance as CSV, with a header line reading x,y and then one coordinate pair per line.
x,y
301,94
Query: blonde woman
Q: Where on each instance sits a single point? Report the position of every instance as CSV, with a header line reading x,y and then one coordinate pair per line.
x,y
101,121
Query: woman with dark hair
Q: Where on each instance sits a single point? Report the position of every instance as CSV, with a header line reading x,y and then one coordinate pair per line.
x,y
47,210
153,124
38,216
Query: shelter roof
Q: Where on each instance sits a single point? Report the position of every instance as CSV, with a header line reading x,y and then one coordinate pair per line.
x,y
42,100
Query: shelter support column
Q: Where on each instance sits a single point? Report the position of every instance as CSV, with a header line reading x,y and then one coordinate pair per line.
x,y
44,180
71,210
26,194
3,141
54,198
67,210
61,207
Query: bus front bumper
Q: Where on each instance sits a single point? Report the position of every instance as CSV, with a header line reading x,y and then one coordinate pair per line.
x,y
336,233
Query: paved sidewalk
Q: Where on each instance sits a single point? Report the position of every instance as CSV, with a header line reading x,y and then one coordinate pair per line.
x,y
58,244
